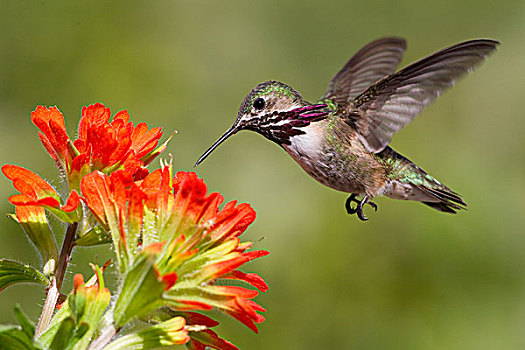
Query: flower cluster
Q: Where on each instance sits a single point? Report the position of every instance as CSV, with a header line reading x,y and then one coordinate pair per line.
x,y
189,243
172,241
101,145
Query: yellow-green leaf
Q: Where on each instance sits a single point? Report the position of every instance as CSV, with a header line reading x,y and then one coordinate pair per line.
x,y
12,272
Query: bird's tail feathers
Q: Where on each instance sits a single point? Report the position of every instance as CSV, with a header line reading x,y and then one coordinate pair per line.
x,y
445,200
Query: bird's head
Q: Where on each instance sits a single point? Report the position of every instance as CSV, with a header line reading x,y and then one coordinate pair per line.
x,y
274,110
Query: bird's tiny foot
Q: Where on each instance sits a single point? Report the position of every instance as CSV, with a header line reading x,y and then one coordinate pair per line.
x,y
360,214
348,204
359,209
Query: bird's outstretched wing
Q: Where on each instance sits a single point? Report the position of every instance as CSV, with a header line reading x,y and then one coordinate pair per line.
x,y
394,101
373,62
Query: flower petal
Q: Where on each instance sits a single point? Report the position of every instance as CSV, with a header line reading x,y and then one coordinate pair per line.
x,y
92,115
29,183
105,196
72,202
229,299
22,199
54,137
144,141
194,318
232,221
208,338
213,270
251,278
37,192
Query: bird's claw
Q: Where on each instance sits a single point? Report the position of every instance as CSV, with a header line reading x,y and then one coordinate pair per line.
x,y
348,205
359,208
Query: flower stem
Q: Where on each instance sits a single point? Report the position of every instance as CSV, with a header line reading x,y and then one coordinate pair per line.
x,y
56,283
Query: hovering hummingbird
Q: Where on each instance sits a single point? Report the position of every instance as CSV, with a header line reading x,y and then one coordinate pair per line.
x,y
342,139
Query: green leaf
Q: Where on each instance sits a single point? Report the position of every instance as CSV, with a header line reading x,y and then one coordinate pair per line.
x,y
80,332
27,326
12,272
69,217
64,335
141,292
77,303
165,334
67,333
96,236
33,221
14,338
85,306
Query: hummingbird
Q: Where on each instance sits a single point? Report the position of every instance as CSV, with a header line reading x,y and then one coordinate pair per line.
x,y
342,140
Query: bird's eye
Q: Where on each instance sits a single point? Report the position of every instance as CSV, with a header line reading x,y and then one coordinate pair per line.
x,y
259,103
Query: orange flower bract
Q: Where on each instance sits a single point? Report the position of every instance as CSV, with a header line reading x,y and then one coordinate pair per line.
x,y
101,145
179,212
36,192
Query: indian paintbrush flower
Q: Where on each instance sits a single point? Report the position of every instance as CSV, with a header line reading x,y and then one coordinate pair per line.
x,y
101,145
190,242
172,241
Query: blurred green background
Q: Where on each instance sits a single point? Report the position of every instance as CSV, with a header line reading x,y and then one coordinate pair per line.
x,y
411,277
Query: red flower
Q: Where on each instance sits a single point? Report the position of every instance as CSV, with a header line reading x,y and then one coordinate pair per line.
x,y
101,144
200,242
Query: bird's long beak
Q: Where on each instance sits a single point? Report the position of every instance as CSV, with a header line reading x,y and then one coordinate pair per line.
x,y
223,138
